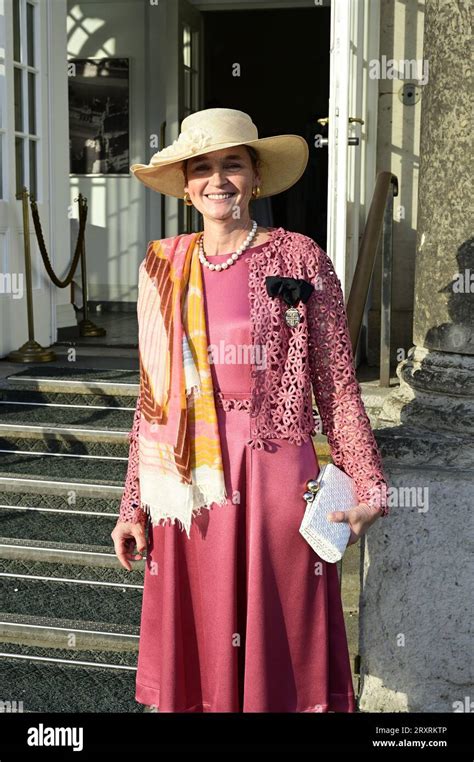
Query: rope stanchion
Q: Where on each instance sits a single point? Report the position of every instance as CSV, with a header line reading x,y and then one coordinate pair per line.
x,y
30,351
86,326
42,247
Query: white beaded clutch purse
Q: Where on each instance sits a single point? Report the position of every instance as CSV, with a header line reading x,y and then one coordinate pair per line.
x,y
332,490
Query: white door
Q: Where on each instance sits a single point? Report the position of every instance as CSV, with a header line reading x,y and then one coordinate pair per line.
x,y
183,93
352,132
24,161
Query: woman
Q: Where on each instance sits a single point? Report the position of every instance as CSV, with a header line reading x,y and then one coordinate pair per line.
x,y
239,614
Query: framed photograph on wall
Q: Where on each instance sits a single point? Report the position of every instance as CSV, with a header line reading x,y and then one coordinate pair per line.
x,y
99,116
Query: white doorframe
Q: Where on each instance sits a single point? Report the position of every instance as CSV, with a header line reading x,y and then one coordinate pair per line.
x,y
338,133
351,169
179,12
354,42
33,72
254,5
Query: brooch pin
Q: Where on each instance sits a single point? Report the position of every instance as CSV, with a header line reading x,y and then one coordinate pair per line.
x,y
291,290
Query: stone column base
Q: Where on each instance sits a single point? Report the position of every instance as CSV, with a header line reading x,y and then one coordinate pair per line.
x,y
417,576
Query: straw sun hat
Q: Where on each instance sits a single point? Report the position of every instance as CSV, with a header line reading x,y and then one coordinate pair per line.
x,y
283,158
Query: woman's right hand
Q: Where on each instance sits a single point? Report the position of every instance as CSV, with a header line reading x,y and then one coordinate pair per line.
x,y
125,535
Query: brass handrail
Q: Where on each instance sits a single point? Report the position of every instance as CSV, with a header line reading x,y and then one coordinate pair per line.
x,y
380,217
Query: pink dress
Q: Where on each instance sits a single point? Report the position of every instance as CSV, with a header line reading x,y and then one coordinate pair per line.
x,y
243,616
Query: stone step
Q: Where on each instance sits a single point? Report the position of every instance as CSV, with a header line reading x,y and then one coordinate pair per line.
x,y
349,573
54,373
82,420
82,655
30,517
67,471
322,449
59,552
93,498
82,398
74,424
68,680
66,442
116,388
85,594
373,397
48,632
92,388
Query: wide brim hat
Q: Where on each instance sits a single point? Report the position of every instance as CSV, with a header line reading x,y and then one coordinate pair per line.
x,y
283,158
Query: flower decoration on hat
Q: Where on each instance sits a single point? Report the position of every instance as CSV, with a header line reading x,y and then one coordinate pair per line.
x,y
190,141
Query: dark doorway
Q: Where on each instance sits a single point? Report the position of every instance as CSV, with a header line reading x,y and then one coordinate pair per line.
x,y
284,86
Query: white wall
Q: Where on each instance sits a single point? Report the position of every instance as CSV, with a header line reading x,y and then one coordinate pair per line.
x,y
60,238
398,150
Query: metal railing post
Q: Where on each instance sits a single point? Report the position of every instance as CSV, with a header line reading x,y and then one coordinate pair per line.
x,y
386,292
378,226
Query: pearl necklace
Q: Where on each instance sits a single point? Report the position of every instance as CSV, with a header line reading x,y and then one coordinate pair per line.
x,y
234,257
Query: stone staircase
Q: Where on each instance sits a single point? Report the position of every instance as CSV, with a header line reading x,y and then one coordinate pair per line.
x,y
70,614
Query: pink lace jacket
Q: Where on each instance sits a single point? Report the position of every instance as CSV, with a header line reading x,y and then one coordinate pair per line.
x,y
316,355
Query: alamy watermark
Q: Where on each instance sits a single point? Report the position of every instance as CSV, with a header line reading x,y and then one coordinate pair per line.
x,y
403,68
403,497
12,283
226,353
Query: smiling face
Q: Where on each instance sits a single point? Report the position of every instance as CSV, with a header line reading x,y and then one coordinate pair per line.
x,y
220,181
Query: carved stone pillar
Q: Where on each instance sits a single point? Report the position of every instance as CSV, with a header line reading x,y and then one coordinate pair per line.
x,y
416,602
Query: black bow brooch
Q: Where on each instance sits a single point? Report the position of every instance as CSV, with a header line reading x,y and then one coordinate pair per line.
x,y
291,290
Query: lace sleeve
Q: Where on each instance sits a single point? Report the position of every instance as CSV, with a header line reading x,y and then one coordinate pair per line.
x,y
130,509
337,392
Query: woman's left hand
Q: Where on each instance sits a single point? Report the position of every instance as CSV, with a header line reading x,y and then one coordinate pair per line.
x,y
359,518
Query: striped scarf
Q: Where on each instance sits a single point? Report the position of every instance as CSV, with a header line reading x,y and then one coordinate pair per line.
x,y
180,460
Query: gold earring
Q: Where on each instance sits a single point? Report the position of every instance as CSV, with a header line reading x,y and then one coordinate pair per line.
x,y
187,199
256,191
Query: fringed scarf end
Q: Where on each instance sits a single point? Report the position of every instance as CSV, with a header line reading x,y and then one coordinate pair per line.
x,y
207,498
165,520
